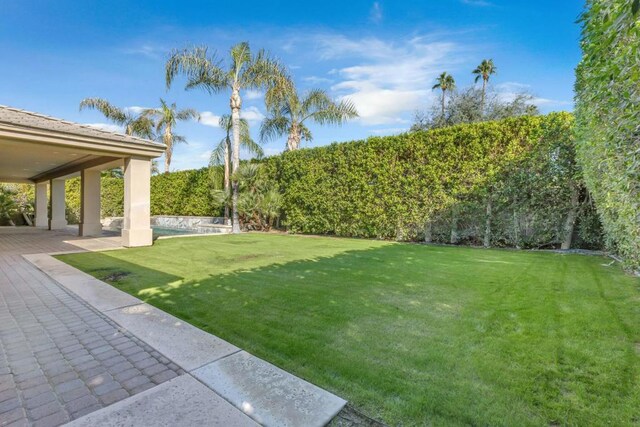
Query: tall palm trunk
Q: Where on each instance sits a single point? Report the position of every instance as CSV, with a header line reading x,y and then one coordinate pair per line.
x,y
442,100
293,140
167,139
236,104
484,89
227,177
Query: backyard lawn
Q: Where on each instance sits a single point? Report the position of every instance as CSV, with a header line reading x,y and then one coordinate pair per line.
x,y
410,334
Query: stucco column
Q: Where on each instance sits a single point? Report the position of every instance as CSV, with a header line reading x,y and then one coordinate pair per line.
x,y
137,202
58,219
42,205
90,203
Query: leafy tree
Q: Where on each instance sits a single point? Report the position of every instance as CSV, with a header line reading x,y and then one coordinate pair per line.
x,y
221,155
259,201
287,114
445,82
165,118
484,72
134,124
245,71
464,107
8,205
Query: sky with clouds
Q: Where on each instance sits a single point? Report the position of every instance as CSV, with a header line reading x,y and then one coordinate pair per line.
x,y
383,55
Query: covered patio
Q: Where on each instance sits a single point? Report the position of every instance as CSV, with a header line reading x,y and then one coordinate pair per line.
x,y
46,151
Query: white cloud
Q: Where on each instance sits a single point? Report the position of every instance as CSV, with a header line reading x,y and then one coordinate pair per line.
x,y
206,155
135,109
508,91
389,131
207,118
375,14
253,94
392,79
479,3
252,115
109,127
147,50
315,80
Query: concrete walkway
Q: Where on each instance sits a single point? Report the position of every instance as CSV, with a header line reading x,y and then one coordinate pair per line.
x,y
214,383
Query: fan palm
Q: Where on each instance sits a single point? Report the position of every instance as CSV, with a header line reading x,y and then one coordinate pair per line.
x,y
484,72
221,155
445,82
288,113
165,118
134,124
245,71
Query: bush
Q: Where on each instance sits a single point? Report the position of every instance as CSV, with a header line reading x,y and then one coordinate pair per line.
x,y
178,193
437,185
608,117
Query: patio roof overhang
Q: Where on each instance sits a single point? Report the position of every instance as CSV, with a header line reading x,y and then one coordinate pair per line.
x,y
36,148
46,151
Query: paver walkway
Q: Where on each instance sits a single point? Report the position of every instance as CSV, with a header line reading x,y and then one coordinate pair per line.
x,y
60,358
73,348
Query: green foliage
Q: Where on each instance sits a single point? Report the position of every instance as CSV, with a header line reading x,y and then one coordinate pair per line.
x,y
608,117
259,201
438,182
8,205
176,193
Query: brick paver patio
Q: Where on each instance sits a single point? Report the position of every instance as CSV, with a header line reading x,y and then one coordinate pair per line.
x,y
59,357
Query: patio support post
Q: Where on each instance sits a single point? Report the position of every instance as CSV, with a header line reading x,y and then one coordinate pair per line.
x,y
58,220
90,203
42,205
137,202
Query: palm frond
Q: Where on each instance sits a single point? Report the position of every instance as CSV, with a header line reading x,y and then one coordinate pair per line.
x,y
274,126
202,70
111,112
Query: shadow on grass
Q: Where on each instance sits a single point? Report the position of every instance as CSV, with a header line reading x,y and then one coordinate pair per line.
x,y
417,334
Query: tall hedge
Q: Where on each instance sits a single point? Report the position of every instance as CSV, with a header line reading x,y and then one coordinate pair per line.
x,y
608,119
437,185
178,193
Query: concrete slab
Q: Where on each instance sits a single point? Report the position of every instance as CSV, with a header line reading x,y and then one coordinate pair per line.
x,y
186,345
100,295
268,394
182,401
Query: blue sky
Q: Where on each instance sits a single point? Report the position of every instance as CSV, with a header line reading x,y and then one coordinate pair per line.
x,y
383,55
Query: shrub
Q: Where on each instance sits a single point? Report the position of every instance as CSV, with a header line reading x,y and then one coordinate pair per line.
x,y
608,117
437,185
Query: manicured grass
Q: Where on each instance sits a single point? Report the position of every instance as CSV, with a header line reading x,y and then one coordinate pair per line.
x,y
411,334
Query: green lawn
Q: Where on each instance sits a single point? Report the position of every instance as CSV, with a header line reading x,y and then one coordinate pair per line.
x,y
410,334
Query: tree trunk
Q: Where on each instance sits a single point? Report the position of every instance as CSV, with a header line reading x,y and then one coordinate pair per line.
x,y
293,140
571,217
167,139
454,226
236,104
487,223
227,177
484,88
442,100
428,228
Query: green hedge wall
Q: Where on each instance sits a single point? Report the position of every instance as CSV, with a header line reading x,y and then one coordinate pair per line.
x,y
178,193
437,184
608,119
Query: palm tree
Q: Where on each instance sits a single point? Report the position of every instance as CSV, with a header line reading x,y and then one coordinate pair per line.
x,y
484,71
221,155
245,71
444,82
287,114
134,124
165,118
